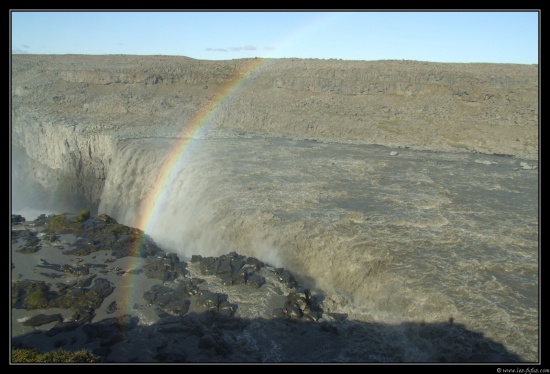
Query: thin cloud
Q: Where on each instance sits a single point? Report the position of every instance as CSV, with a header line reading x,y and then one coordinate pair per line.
x,y
245,48
24,49
269,48
234,49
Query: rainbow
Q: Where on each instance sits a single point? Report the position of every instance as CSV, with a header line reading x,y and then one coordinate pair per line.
x,y
150,206
166,173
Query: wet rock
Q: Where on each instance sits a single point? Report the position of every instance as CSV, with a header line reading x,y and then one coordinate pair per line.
x,y
224,267
169,300
240,277
112,307
29,249
61,287
106,218
237,264
22,234
52,238
31,243
159,295
286,277
255,263
208,300
208,265
45,264
79,297
255,280
17,219
301,305
82,314
226,278
42,219
195,258
232,269
157,270
178,307
85,281
102,287
30,294
42,319
292,311
165,268
75,270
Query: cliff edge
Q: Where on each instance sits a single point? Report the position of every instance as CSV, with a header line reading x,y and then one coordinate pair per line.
x,y
69,112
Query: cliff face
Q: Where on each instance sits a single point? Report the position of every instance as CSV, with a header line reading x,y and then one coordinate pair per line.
x,y
70,112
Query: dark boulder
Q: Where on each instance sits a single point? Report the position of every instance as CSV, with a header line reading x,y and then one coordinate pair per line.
x,y
208,301
106,218
255,263
112,307
292,311
255,280
85,281
158,295
42,319
30,294
208,265
285,277
17,219
168,300
102,287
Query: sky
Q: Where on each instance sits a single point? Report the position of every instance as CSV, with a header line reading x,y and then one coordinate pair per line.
x,y
436,36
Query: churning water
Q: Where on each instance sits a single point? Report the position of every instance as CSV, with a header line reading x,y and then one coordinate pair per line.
x,y
418,236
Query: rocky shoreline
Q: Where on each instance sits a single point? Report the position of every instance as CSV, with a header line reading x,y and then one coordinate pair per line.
x,y
89,282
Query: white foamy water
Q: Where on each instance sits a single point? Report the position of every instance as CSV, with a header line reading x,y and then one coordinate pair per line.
x,y
420,236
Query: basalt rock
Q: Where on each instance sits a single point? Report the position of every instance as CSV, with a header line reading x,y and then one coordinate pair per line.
x,y
84,287
181,317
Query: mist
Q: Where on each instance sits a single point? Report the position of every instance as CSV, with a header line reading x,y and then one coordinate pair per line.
x,y
187,217
28,197
37,189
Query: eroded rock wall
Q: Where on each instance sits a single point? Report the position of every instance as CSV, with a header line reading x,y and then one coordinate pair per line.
x,y
69,112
